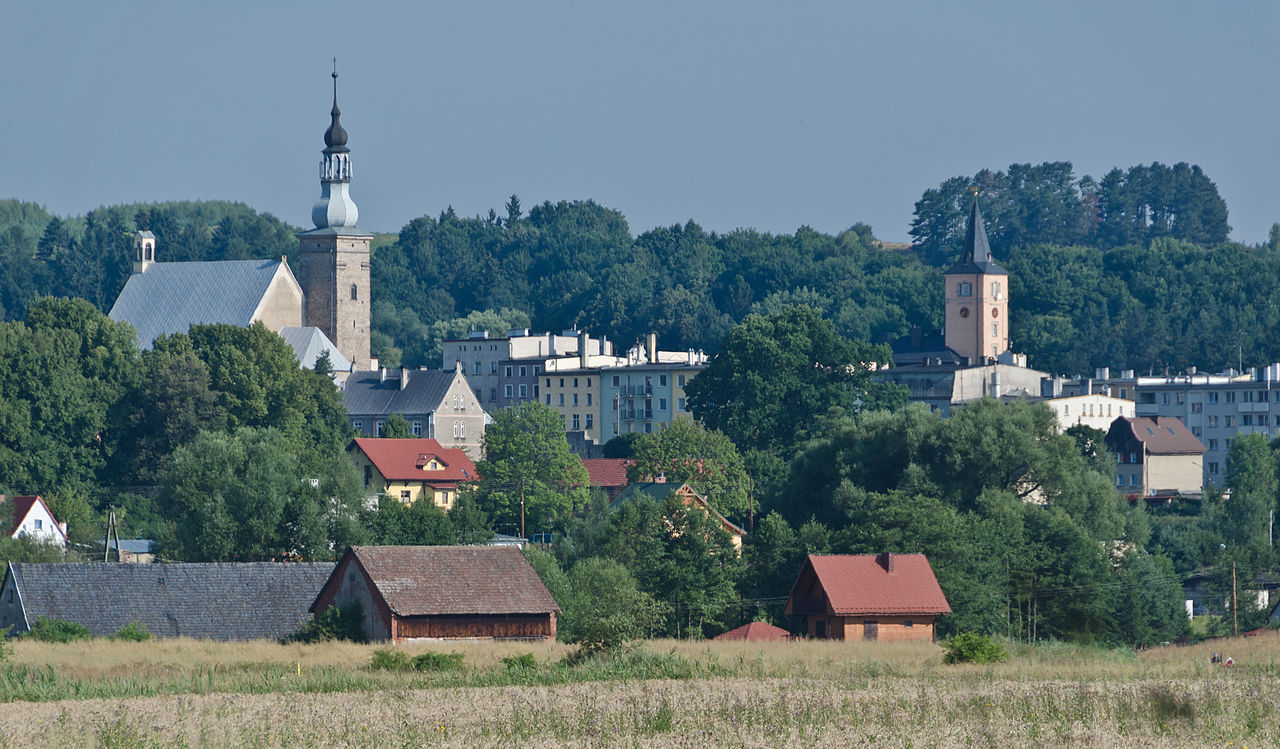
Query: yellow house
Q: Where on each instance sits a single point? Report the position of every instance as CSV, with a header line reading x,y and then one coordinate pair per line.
x,y
410,469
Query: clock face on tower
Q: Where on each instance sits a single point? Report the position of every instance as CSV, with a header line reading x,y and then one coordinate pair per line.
x,y
995,311
964,311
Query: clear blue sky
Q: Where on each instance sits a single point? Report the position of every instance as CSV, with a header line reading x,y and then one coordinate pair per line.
x,y
735,114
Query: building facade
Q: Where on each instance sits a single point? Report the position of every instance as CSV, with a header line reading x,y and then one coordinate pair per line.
x,y
411,470
505,371
1156,456
438,405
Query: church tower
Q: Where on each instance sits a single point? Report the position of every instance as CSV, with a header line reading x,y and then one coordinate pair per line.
x,y
977,292
334,265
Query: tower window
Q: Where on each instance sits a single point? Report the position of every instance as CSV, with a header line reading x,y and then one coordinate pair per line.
x,y
964,288
355,292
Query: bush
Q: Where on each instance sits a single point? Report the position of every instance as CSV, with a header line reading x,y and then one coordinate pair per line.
x,y
134,632
5,647
520,662
970,647
57,630
430,661
334,623
385,659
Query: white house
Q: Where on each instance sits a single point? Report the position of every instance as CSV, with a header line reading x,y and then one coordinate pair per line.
x,y
31,517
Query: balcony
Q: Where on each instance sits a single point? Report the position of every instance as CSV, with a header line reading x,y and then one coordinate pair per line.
x,y
1146,409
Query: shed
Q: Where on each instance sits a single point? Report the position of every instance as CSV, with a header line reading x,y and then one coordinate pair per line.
x,y
756,632
215,601
442,593
869,597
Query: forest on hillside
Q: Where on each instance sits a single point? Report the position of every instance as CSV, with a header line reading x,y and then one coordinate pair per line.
x,y
1132,270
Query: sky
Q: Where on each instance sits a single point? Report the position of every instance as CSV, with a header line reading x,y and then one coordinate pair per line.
x,y
735,114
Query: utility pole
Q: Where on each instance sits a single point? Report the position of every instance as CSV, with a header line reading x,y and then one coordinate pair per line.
x,y
522,535
1235,620
112,530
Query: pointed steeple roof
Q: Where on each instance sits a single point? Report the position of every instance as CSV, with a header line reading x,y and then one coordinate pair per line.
x,y
976,257
335,138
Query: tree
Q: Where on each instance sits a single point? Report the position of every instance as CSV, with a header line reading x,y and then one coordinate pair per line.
x,y
775,375
529,479
421,523
686,452
1251,474
395,427
605,608
470,524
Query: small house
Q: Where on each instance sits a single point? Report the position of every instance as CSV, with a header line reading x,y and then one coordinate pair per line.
x,y
1156,455
30,516
756,632
410,469
867,597
658,491
442,593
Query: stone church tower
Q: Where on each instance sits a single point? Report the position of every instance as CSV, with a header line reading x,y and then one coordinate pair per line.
x,y
977,293
334,265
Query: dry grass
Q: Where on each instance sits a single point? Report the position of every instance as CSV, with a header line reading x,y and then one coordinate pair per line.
x,y
806,693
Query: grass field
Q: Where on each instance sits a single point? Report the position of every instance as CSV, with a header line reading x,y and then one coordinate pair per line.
x,y
187,693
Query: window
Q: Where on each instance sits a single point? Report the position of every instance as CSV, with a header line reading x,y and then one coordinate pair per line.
x,y
562,399
493,394
1246,420
1133,480
524,371
575,382
357,425
588,399
462,430
1124,393
1262,420
1196,407
590,421
1178,397
548,382
404,496
680,404
587,384
1213,468
1119,480
575,399
455,430
907,624
1213,397
575,422
615,427
506,391
417,428
1133,457
662,380
548,399
662,404
524,391
680,380
355,291
493,367
377,429
368,476
506,371
1213,444
477,394
476,369
964,288
995,289
615,380
1213,420
561,382
995,328
1231,421
1231,396
39,523
537,370
1195,431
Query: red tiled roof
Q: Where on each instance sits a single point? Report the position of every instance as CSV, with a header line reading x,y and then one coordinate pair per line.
x,y
433,580
607,472
756,632
1163,435
403,459
859,584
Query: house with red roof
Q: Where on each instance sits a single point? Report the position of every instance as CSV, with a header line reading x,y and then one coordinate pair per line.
x,y
410,469
30,516
609,474
756,632
867,597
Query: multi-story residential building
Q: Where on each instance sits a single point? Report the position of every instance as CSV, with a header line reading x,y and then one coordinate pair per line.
x,y
1094,410
1155,456
505,371
438,405
1216,408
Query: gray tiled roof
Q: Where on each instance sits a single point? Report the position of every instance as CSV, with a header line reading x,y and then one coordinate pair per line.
x,y
171,297
310,343
218,601
365,393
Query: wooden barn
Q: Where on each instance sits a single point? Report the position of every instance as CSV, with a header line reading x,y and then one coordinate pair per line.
x,y
442,593
867,597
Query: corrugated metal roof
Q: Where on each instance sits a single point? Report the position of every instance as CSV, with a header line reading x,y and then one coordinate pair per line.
x,y
218,601
860,584
365,393
433,580
403,459
756,632
310,343
171,297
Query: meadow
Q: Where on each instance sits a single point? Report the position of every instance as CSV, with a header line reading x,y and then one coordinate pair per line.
x,y
666,693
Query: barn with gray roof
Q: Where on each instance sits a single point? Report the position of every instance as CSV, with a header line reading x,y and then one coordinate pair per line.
x,y
215,601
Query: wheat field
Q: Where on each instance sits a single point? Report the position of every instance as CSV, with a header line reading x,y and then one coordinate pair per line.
x,y
737,694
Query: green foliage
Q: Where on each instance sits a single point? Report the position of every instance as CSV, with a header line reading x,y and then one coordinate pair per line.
x,y
686,452
528,461
134,632
520,662
56,630
471,525
6,649
422,523
970,647
385,659
344,622
774,376
605,608
395,427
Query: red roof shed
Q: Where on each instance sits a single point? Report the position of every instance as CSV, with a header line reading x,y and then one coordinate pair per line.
x,y
756,632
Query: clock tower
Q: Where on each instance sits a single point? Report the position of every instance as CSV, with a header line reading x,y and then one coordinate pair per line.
x,y
977,293
334,263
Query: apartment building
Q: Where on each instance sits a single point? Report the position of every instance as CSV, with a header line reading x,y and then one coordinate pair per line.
x,y
1216,408
505,371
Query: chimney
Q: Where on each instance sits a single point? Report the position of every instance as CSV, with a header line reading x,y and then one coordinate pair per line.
x,y
653,348
404,378
605,348
885,560
551,343
583,354
382,374
917,336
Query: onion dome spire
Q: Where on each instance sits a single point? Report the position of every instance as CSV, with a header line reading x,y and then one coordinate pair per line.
x,y
335,138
